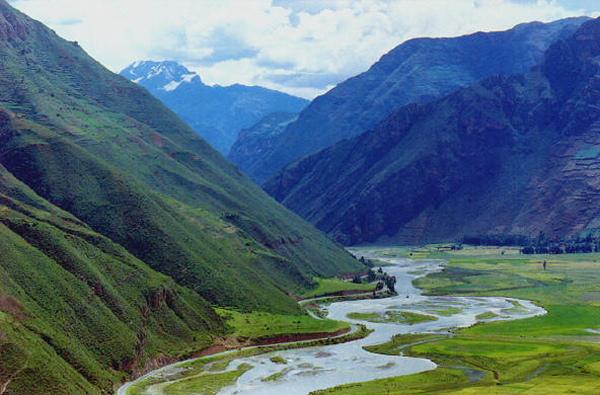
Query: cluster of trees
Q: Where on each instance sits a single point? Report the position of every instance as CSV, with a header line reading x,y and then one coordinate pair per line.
x,y
561,249
582,243
390,282
542,244
366,262
500,240
382,279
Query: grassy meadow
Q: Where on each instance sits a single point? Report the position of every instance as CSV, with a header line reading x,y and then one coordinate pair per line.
x,y
262,325
327,286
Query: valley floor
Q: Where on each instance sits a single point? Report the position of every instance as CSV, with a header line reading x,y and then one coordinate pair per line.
x,y
555,353
545,353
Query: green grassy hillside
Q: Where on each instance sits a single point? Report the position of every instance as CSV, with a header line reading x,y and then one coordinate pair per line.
x,y
165,236
76,309
120,228
106,151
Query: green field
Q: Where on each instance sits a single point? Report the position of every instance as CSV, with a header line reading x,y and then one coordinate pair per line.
x,y
327,286
206,384
202,378
263,325
556,353
488,315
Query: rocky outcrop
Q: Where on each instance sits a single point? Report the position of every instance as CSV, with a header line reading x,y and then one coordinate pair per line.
x,y
12,26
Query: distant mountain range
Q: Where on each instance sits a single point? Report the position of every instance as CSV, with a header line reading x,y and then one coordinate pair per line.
x,y
418,70
217,113
510,154
120,228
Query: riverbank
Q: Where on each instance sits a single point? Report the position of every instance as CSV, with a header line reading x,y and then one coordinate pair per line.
x,y
195,366
555,353
252,329
302,370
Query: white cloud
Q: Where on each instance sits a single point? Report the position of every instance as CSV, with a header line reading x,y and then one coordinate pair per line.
x,y
280,44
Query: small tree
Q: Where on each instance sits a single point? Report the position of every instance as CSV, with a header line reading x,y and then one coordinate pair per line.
x,y
390,282
556,250
528,250
371,276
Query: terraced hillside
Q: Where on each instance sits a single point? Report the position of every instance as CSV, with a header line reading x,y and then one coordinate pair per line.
x,y
120,227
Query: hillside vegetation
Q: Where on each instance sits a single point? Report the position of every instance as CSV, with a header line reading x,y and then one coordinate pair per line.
x,y
77,310
120,228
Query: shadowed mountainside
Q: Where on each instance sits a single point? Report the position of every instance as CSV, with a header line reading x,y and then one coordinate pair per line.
x,y
510,154
419,70
254,143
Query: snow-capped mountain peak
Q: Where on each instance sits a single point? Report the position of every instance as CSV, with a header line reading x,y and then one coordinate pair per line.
x,y
216,112
166,75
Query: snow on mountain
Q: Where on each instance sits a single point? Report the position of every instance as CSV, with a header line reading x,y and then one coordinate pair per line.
x,y
167,75
217,113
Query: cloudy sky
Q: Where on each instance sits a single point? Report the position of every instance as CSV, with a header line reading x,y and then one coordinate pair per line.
x,y
303,47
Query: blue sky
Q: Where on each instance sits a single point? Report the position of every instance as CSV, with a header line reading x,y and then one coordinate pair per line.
x,y
303,47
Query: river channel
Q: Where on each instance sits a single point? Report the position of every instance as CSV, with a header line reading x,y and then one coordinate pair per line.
x,y
314,368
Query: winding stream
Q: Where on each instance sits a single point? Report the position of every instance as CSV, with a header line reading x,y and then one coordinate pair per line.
x,y
316,368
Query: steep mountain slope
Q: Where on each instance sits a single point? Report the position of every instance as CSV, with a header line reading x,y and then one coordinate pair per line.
x,y
76,308
120,227
217,113
516,154
255,142
418,70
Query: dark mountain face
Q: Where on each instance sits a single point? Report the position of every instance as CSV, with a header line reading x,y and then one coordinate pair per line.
x,y
254,143
120,227
217,113
418,70
511,154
